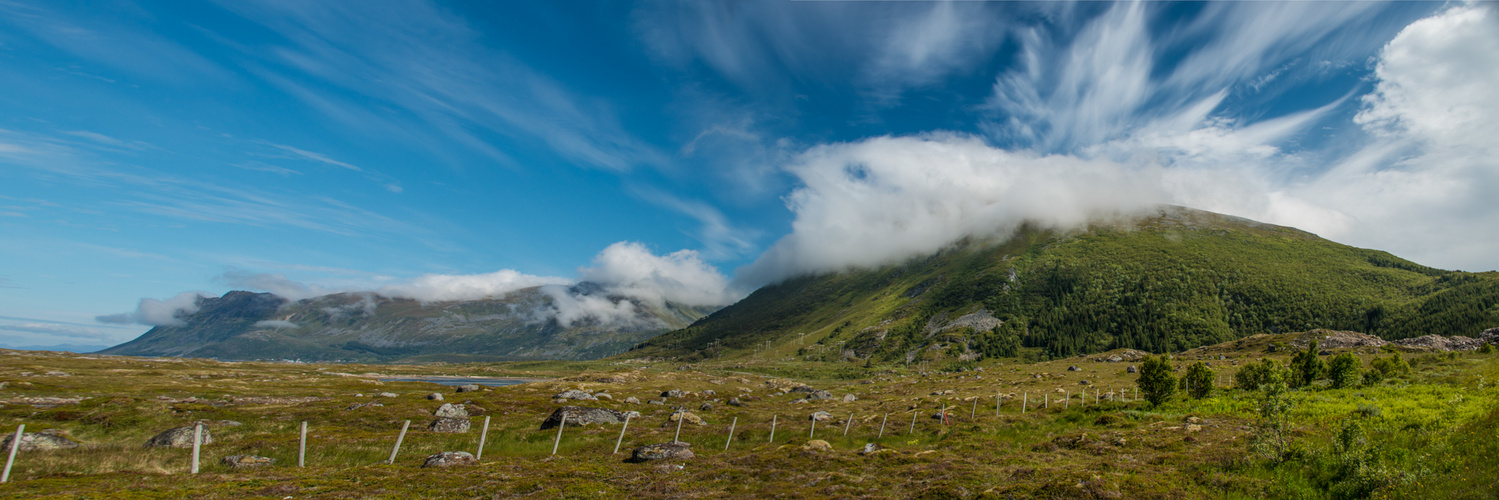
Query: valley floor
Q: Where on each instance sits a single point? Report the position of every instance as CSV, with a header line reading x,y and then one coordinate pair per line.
x,y
1431,434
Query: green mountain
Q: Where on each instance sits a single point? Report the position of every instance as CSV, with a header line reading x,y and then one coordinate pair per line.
x,y
1176,279
367,327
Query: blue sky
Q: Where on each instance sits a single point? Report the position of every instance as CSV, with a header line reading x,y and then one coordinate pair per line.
x,y
695,150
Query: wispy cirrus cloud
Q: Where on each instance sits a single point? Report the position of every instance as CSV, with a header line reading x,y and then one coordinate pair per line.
x,y
427,65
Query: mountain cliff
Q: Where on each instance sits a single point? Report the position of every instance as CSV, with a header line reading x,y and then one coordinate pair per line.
x,y
1170,280
369,327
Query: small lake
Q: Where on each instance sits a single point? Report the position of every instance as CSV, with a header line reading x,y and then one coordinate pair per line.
x,y
489,381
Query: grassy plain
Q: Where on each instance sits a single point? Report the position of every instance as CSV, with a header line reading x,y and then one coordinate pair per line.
x,y
1431,434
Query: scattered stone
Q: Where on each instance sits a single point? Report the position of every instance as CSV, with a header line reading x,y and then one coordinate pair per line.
x,y
803,389
467,388
657,402
435,396
818,444
849,398
819,396
449,459
1131,369
359,395
223,423
821,416
632,400
560,401
372,404
604,396
710,392
1074,368
49,439
58,374
177,437
1082,382
706,407
1194,420
388,395
674,393
685,417
676,450
583,415
735,402
871,448
450,410
1190,428
247,461
574,394
449,425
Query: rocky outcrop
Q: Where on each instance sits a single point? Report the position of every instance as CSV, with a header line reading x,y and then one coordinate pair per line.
x,y
177,437
1440,343
575,394
583,415
45,440
449,459
451,418
247,461
1337,339
677,450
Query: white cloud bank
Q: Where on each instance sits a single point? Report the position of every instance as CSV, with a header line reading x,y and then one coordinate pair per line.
x,y
607,291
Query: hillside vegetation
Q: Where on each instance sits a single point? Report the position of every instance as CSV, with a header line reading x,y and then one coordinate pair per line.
x,y
1177,279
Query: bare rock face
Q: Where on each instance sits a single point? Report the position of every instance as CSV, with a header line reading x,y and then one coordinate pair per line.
x,y
449,459
1491,336
449,425
1337,339
583,415
177,437
45,440
247,461
665,451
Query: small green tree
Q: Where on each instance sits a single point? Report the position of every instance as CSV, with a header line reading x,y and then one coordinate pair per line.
x,y
1156,382
1275,409
1390,366
1306,366
1198,382
1253,375
1345,370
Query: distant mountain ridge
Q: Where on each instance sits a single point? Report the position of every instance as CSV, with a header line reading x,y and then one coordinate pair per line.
x,y
1170,280
368,327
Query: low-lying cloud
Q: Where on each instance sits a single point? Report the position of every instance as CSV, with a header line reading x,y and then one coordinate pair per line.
x,y
611,291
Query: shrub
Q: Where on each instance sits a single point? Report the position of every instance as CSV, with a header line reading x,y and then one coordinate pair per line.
x,y
1198,382
1345,371
1390,366
1252,376
1156,382
1306,366
1486,349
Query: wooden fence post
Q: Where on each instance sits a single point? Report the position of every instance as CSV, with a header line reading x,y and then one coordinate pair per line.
x,y
677,438
773,427
912,430
302,446
400,438
563,424
15,444
975,411
1024,402
197,442
621,434
812,432
847,424
731,434
882,426
1067,394
484,433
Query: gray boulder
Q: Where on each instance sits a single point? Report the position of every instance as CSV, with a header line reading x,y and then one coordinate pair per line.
x,y
449,459
450,410
44,440
247,461
435,396
819,396
735,402
583,415
574,394
468,388
632,400
706,407
821,416
674,393
849,398
449,425
803,389
177,437
665,451
1131,369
